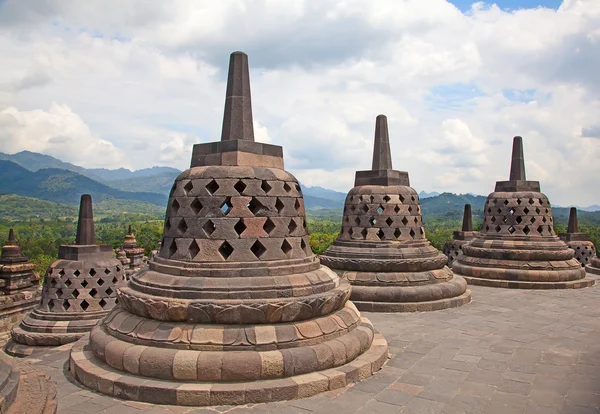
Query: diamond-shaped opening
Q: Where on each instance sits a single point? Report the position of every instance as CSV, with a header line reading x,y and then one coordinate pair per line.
x,y
76,273
352,208
499,210
421,230
380,234
526,210
175,205
209,227
84,305
357,220
50,304
212,187
115,280
279,205
540,229
93,292
512,211
226,206
92,272
372,198
196,206
303,244
505,202
519,201
106,270
532,220
240,186
547,211
168,224
102,303
67,282
182,227
526,230
364,233
61,273
292,226
266,187
498,228
59,292
100,282
489,210
287,187
389,221
397,233
511,229
297,205
405,221
372,221
365,208
258,249
194,249
410,209
84,284
505,219
544,219
286,247
269,226
380,209
225,250
487,228
401,197
541,201
239,227
537,210
531,201
397,209
413,198
386,198
255,206
519,219
350,232
188,187
298,188
493,219
412,233
172,248
66,304
416,220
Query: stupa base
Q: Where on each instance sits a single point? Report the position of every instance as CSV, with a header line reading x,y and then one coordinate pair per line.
x,y
427,306
520,284
592,270
100,377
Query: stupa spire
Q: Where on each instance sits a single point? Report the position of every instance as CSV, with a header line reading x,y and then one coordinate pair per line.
x,y
237,119
11,235
517,166
467,223
573,226
382,156
85,225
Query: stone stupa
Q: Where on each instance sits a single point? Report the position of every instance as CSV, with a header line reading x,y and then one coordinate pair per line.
x,y
133,251
594,266
580,242
517,246
235,308
20,289
382,249
79,289
453,247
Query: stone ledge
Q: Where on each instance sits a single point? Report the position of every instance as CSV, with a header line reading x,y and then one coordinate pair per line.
x,y
592,270
447,303
516,284
100,377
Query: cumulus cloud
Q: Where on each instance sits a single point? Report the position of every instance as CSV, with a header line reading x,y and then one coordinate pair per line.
x,y
142,82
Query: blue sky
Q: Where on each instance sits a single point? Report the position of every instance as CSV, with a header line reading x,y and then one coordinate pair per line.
x,y
510,4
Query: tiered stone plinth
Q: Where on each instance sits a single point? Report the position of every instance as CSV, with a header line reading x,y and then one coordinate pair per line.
x,y
453,247
594,266
580,242
79,289
20,290
382,250
517,246
234,308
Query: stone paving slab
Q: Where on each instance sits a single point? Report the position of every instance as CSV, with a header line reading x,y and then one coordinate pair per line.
x,y
509,351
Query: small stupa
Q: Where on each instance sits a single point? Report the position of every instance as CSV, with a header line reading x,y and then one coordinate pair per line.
x,y
235,308
20,289
453,247
580,242
133,251
594,266
382,250
79,289
517,246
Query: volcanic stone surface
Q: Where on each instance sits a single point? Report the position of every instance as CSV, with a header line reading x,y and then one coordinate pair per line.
x,y
453,247
517,246
20,290
79,289
382,250
234,308
584,249
133,252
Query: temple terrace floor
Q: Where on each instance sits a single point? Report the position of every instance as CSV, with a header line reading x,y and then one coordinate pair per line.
x,y
509,351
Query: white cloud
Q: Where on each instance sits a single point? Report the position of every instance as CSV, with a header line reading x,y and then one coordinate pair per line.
x,y
142,82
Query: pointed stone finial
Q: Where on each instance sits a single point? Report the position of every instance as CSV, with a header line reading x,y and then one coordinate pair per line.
x,y
573,226
85,225
130,231
517,166
382,156
467,223
237,120
11,235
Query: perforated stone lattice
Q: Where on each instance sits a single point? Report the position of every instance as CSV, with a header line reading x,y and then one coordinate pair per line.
x,y
529,215
584,251
235,219
382,217
81,290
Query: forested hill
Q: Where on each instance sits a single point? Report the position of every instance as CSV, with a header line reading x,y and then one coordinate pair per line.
x,y
63,186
